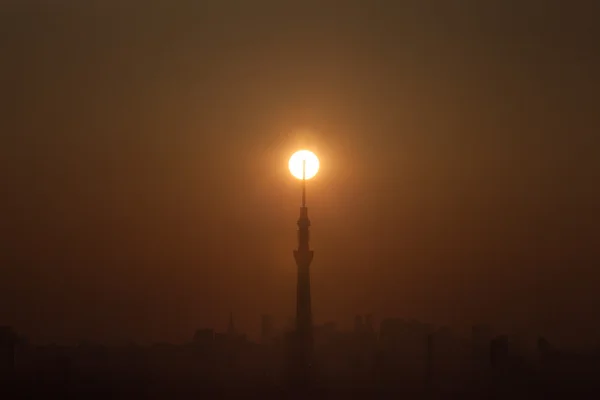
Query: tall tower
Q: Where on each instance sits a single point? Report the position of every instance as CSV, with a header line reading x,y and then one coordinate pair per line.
x,y
303,256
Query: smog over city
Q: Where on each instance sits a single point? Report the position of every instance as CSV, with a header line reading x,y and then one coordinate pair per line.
x,y
315,199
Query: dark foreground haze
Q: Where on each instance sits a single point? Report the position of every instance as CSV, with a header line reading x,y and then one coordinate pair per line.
x,y
400,359
145,195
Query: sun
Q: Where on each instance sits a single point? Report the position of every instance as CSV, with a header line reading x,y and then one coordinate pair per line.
x,y
296,164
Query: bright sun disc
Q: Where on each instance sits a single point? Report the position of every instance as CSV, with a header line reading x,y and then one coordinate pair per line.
x,y
312,164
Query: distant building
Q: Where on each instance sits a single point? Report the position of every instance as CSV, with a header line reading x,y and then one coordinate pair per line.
x,y
231,332
370,323
204,336
8,342
481,335
221,339
302,344
545,350
499,352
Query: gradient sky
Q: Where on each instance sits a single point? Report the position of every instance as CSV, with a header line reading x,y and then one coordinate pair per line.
x,y
144,147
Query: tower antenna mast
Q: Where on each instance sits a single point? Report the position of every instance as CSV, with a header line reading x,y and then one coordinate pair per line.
x,y
303,342
303,183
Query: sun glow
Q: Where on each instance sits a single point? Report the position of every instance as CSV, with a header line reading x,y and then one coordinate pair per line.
x,y
296,164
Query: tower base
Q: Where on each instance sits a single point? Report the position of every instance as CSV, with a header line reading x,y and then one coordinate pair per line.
x,y
300,367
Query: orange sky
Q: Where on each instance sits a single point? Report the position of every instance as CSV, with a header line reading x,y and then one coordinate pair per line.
x,y
144,160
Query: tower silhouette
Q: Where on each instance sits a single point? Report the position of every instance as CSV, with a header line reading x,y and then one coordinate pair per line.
x,y
303,334
303,256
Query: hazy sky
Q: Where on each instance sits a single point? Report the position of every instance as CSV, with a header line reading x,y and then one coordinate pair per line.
x,y
144,148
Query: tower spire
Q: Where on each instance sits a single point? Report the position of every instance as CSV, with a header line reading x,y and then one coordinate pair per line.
x,y
303,255
303,183
303,335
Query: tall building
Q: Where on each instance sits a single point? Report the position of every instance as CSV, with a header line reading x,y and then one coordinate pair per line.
x,y
303,335
370,324
303,256
481,335
8,341
499,352
204,337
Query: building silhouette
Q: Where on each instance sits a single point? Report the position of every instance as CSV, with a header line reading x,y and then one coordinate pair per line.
x,y
8,341
370,324
231,332
301,340
204,337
